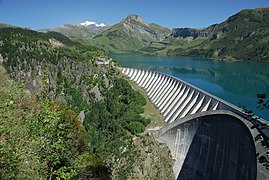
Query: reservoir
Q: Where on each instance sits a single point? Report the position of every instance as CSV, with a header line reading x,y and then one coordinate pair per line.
x,y
237,82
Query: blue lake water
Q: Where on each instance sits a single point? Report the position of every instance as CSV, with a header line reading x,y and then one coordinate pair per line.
x,y
236,82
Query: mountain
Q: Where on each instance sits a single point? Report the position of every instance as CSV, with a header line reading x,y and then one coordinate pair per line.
x,y
87,29
243,36
131,34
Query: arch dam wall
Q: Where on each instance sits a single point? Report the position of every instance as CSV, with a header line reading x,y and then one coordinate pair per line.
x,y
209,138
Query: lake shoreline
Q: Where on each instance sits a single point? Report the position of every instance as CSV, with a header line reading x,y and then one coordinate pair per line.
x,y
160,55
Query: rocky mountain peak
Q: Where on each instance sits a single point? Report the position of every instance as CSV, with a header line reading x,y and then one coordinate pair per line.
x,y
134,17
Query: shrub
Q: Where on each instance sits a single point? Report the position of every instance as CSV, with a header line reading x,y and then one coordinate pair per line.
x,y
136,127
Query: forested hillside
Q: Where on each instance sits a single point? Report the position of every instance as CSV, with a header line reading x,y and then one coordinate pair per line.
x,y
67,116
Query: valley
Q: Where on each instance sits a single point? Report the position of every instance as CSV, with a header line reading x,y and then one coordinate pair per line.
x,y
68,110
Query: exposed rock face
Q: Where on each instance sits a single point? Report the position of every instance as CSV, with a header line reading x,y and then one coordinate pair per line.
x,y
55,42
136,18
42,76
97,93
135,26
208,32
155,159
81,116
185,32
1,59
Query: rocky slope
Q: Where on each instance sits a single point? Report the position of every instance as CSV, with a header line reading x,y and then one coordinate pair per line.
x,y
131,34
194,33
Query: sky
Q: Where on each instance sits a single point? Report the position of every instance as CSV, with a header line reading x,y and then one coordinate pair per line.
x,y
39,14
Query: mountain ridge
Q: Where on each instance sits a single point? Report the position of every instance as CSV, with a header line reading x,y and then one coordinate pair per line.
x,y
243,36
86,30
129,35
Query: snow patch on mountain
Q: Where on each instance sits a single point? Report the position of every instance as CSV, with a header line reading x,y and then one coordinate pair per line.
x,y
88,23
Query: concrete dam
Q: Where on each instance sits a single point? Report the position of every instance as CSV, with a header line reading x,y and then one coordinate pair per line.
x,y
209,138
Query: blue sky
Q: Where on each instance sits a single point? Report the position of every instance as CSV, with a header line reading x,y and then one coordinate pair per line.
x,y
38,14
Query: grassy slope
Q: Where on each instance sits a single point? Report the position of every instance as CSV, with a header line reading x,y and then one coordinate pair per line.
x,y
129,36
150,111
116,40
174,44
77,31
244,35
73,31
160,29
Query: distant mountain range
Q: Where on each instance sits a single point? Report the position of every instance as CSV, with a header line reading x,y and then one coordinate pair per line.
x,y
87,29
243,36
